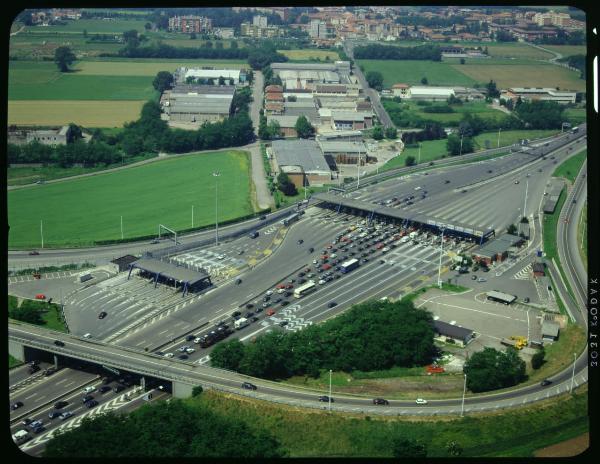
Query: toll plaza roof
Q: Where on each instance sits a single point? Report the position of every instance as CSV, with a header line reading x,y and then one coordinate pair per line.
x,y
169,270
404,215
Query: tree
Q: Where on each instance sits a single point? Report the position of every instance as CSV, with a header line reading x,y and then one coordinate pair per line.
x,y
131,38
304,128
197,390
491,90
147,26
227,355
453,448
233,45
28,312
410,161
537,360
274,129
64,57
285,185
292,98
424,81
74,133
163,81
491,369
375,80
407,448
219,45
512,229
378,132
391,133
453,145
462,61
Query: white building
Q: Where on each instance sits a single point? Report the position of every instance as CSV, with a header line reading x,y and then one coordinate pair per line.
x,y
236,75
429,93
260,21
538,93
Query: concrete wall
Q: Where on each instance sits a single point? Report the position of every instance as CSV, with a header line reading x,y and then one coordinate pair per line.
x,y
16,350
182,390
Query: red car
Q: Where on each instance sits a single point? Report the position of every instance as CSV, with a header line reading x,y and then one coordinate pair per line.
x,y
270,312
326,267
288,286
324,257
379,246
280,285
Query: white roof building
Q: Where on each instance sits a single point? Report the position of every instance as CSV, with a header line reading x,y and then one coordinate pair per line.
x,y
429,93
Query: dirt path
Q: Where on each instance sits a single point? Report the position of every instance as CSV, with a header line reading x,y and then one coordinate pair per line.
x,y
567,448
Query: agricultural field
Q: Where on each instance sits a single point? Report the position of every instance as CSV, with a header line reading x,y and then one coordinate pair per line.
x,y
92,26
519,75
82,211
567,50
310,54
87,113
147,67
412,71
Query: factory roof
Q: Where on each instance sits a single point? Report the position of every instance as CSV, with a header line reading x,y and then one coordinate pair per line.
x,y
343,146
300,152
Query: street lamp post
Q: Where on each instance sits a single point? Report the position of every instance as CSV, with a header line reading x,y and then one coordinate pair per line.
x,y
462,408
121,227
358,166
216,175
573,374
192,216
440,264
461,142
329,390
499,129
42,231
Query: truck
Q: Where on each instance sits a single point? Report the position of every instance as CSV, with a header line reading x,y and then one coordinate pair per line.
x,y
413,234
85,276
21,436
349,265
241,323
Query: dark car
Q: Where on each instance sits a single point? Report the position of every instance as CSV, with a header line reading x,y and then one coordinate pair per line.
x,y
38,429
237,313
102,315
249,314
49,371
258,309
300,242
325,399
60,404
380,401
33,369
189,338
87,398
287,294
285,303
118,388
283,323
545,382
262,218
266,298
58,343
248,386
26,421
254,319
54,414
90,404
238,281
331,304
104,389
17,405
34,253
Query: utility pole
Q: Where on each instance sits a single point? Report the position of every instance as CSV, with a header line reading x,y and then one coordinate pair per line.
x,y
42,231
329,390
461,141
573,374
524,204
216,175
440,264
358,166
462,408
192,216
419,160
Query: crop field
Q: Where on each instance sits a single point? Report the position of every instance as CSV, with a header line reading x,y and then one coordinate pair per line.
x,y
88,113
412,71
98,26
310,54
567,50
516,50
519,75
81,211
147,67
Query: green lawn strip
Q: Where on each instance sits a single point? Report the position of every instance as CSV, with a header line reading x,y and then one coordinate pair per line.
x,y
312,433
575,115
582,236
510,137
569,169
83,211
114,26
13,362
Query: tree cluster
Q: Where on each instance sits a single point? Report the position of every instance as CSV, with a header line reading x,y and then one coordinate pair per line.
x,y
269,131
285,185
432,131
539,114
165,430
438,109
304,128
388,52
457,145
258,58
563,38
64,57
370,336
491,369
162,50
375,80
163,81
575,61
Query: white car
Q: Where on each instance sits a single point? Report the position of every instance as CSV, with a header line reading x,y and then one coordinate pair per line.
x,y
196,340
421,401
321,282
182,348
269,292
190,350
221,257
481,279
281,290
333,255
89,389
315,261
168,355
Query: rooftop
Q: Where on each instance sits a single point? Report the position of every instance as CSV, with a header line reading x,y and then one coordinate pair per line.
x,y
343,146
454,331
166,269
300,152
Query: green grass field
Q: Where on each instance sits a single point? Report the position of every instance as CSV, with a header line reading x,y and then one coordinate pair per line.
x,y
81,211
412,71
99,26
313,433
567,50
570,168
310,54
575,115
582,236
481,109
94,113
13,362
510,137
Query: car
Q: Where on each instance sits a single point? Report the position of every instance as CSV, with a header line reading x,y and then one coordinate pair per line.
x,y
285,303
249,314
58,343
264,305
364,260
528,175
17,405
118,388
300,242
33,369
90,404
89,389
183,356
39,429
380,401
60,404
190,350
254,319
301,274
516,181
190,338
26,421
155,241
473,277
238,281
237,313
311,249
283,323
288,286
545,382
248,386
221,257
302,281
526,299
315,261
241,252
326,399
331,304
463,191
183,348
65,415
54,414
322,282
540,170
482,279
270,312
103,389
87,398
169,355
446,181
35,423
269,292
421,401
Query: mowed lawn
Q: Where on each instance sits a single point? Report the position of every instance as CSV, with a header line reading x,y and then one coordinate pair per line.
x,y
87,113
310,54
520,75
567,50
93,26
81,211
412,71
148,67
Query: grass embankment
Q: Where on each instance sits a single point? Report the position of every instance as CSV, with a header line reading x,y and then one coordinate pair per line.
x,y
83,211
51,318
582,236
13,362
570,167
310,433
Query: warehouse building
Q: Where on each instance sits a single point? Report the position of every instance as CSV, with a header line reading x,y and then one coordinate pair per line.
x,y
497,249
430,93
346,120
198,104
345,152
231,76
302,160
56,136
538,93
308,75
286,123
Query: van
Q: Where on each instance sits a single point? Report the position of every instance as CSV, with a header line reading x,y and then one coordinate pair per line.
x,y
21,436
241,323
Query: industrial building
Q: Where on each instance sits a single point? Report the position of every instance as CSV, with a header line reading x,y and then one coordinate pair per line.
x,y
429,93
497,249
309,75
286,123
538,93
198,103
345,120
56,136
345,152
550,330
452,333
302,160
231,76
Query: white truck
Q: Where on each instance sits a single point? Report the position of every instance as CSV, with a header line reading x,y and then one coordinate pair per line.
x,y
413,234
21,437
241,323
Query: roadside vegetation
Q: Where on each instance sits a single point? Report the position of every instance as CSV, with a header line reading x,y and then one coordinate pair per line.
x,y
582,236
569,169
37,312
13,362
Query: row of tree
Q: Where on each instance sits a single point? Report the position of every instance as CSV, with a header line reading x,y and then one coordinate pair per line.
x,y
370,336
162,50
563,38
389,52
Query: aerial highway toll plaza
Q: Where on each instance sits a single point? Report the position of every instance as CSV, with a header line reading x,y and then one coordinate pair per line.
x,y
158,322
189,280
422,221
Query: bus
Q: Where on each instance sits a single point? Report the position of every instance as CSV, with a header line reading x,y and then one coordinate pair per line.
x,y
304,289
349,265
503,298
291,218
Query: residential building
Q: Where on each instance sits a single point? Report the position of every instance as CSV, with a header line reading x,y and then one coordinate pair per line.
x,y
260,21
401,90
452,333
225,32
189,24
551,18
